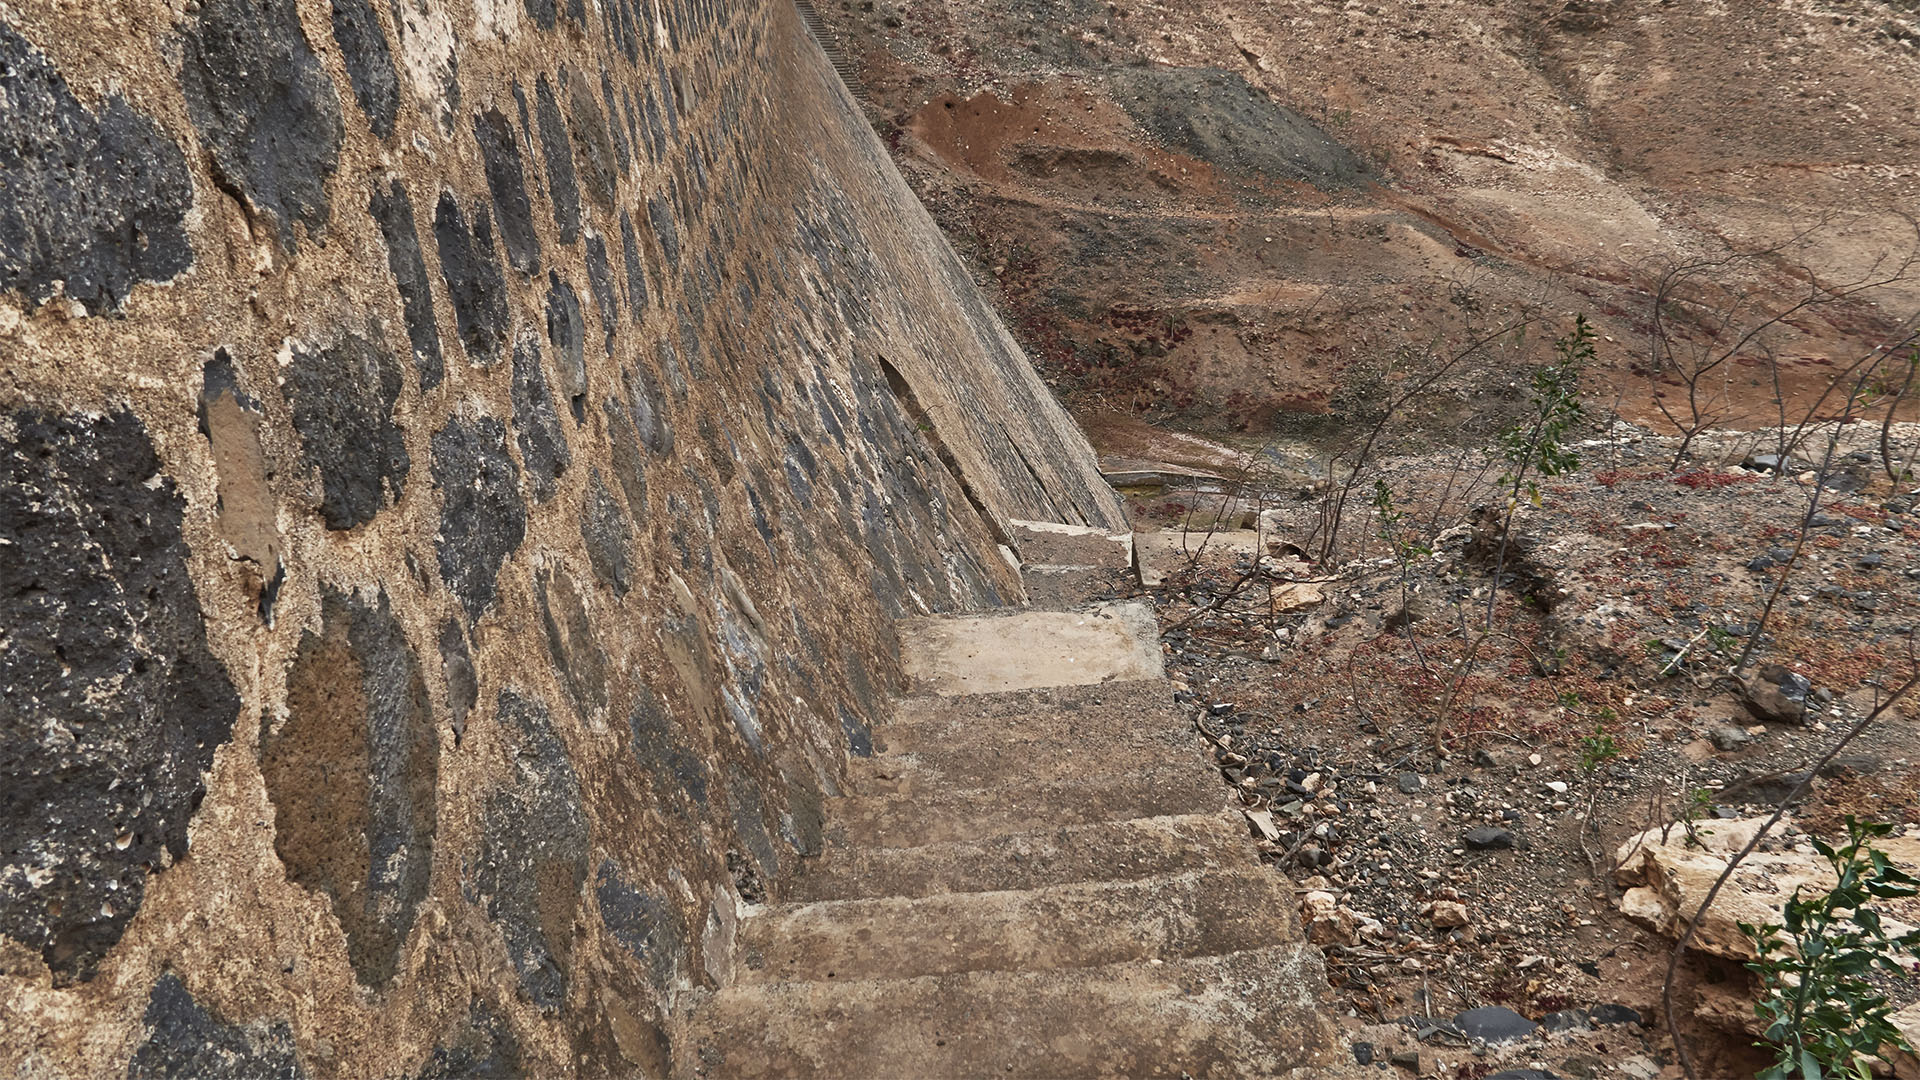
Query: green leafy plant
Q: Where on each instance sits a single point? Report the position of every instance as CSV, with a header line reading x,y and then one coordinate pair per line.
x,y
1823,1015
1597,749
1698,807
1536,447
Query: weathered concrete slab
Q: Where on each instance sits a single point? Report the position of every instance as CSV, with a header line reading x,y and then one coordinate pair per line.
x,y
1161,553
990,653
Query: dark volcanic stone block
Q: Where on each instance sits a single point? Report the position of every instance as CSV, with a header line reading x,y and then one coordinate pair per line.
x,y
649,409
483,1048
474,281
533,861
646,925
543,445
96,202
571,642
598,171
482,519
600,278
363,46
114,705
622,151
393,212
558,151
608,535
342,397
265,109
352,774
663,751
186,1042
629,466
507,183
636,270
463,683
660,216
567,333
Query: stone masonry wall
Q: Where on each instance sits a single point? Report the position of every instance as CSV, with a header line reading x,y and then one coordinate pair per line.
x,y
462,462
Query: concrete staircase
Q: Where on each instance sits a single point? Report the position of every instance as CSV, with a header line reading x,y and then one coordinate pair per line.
x,y
1038,875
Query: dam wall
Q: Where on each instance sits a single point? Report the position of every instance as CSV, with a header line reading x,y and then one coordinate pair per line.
x,y
463,463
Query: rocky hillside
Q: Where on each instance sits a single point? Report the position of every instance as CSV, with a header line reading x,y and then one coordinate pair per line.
x,y
1214,215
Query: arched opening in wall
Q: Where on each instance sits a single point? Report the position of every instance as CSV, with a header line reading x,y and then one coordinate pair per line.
x,y
903,393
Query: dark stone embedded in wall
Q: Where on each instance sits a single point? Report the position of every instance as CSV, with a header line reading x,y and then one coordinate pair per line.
x,y
543,13
660,216
507,182
608,536
542,442
463,684
629,466
600,277
533,860
265,109
393,211
567,333
187,1042
663,751
803,825
483,1048
598,172
750,823
576,652
647,926
621,148
558,150
113,705
352,773
482,519
363,47
474,282
91,203
636,271
859,735
342,396
648,407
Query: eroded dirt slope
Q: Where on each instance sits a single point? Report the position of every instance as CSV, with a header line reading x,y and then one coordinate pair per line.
x,y
1213,215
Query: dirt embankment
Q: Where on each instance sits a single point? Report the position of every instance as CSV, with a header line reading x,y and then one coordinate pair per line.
x,y
1218,218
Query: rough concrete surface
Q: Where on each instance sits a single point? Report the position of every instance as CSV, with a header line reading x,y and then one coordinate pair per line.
x,y
988,653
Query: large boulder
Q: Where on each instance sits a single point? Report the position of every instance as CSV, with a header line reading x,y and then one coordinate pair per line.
x,y
1668,877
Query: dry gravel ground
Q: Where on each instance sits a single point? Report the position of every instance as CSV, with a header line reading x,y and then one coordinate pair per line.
x,y
1467,860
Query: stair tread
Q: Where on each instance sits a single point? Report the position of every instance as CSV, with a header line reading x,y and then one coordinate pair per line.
x,y
1248,1013
1054,855
1108,642
1086,924
915,816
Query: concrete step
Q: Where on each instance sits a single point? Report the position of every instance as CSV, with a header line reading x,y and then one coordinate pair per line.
x,y
1203,913
1055,855
918,816
1243,1014
1028,761
1044,544
1072,588
1099,709
1112,642
1029,736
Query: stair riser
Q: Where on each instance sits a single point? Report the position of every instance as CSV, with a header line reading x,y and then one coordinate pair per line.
x,y
1110,851
1073,926
1248,1014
